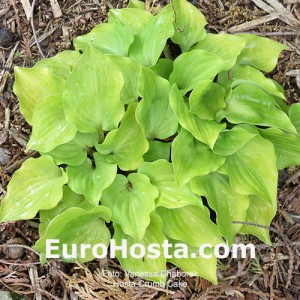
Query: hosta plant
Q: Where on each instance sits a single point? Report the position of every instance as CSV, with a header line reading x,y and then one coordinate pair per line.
x,y
150,126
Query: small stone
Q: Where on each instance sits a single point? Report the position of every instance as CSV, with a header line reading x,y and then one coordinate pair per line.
x,y
6,37
14,252
5,154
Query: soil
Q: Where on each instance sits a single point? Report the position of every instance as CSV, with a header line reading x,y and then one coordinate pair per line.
x,y
273,274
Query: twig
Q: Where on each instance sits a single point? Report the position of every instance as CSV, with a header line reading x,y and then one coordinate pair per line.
x,y
33,30
18,163
33,274
6,69
56,9
251,24
8,64
2,261
27,8
20,246
261,4
283,11
276,33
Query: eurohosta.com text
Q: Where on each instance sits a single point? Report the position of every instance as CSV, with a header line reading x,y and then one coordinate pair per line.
x,y
55,249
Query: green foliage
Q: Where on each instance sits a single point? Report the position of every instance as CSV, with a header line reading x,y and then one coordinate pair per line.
x,y
130,135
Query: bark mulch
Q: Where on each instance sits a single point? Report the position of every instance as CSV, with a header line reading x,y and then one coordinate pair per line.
x,y
25,37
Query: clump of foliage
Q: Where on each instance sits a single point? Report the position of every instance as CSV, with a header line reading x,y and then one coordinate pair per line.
x,y
130,135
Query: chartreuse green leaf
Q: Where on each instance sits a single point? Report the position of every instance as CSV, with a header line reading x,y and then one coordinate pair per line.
x,y
287,146
74,152
202,266
161,174
77,226
294,113
132,17
246,74
36,185
252,169
190,224
131,73
227,203
260,212
33,85
49,125
126,145
90,181
158,150
207,99
69,200
109,38
136,4
150,42
192,158
92,97
154,113
153,268
61,64
249,104
227,46
131,201
230,141
206,131
163,67
188,24
259,52
195,66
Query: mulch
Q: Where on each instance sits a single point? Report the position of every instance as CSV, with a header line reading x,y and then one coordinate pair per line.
x,y
273,274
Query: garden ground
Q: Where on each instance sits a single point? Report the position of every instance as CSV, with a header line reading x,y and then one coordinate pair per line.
x,y
274,274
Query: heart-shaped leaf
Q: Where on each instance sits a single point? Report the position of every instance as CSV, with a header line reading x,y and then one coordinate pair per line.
x,y
195,66
49,125
252,169
77,226
153,268
204,267
201,230
260,52
91,181
161,174
150,42
228,204
34,85
227,46
61,64
249,104
69,200
206,131
259,212
207,99
74,152
126,145
230,141
154,113
134,18
108,38
245,74
131,201
36,185
131,73
92,97
191,158
188,24
287,146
